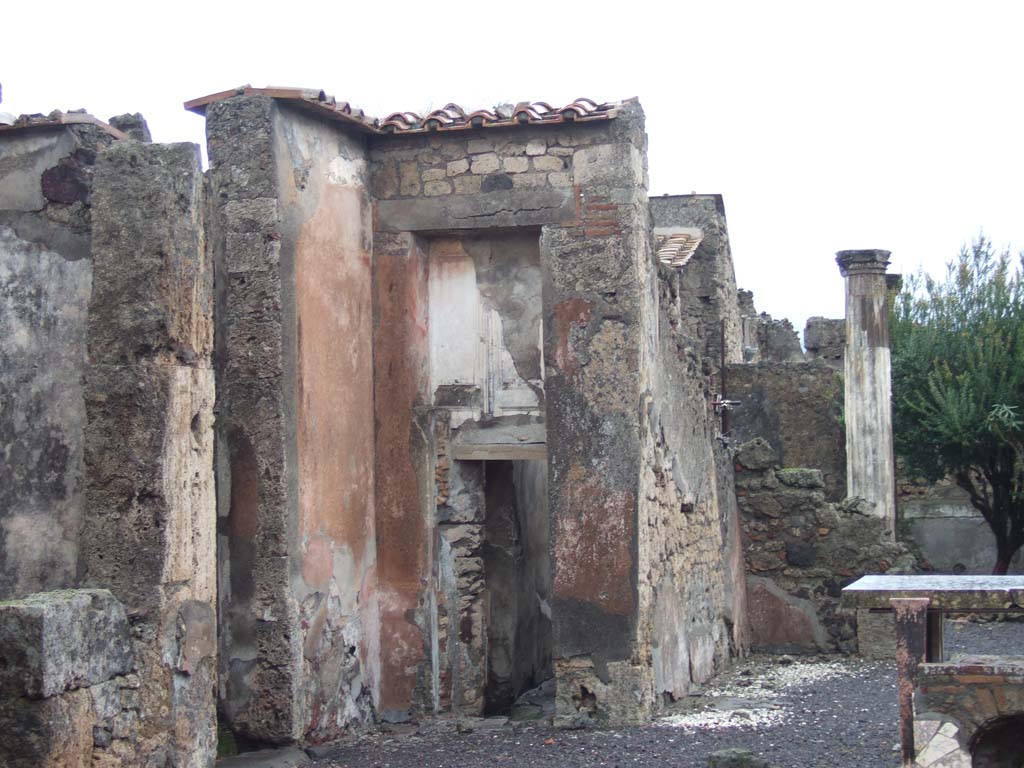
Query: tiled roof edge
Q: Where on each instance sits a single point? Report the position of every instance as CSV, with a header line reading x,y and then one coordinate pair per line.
x,y
452,117
58,118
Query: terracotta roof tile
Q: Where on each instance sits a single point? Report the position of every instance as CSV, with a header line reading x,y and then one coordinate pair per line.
x,y
451,117
57,118
676,247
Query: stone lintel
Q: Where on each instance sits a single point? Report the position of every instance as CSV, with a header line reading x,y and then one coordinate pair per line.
x,y
862,261
515,208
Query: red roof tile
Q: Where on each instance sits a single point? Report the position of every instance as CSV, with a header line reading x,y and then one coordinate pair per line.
x,y
450,118
57,118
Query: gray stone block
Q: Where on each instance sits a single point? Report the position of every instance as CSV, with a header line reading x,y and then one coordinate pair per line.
x,y
756,454
801,477
53,642
735,758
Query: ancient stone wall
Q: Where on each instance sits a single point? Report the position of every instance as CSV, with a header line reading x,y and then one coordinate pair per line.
x,y
297,568
692,586
947,532
45,281
825,339
405,493
149,394
801,550
797,408
708,313
582,190
763,338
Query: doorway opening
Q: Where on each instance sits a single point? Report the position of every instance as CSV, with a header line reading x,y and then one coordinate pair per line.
x,y
517,581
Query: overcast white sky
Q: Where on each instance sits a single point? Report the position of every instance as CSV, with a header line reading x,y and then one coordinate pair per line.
x,y
825,125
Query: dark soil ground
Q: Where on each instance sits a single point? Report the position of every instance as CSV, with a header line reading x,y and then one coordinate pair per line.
x,y
795,712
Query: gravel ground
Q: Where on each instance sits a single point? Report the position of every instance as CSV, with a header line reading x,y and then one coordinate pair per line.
x,y
796,712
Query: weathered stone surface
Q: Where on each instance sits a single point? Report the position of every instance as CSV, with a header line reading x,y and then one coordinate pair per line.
x,y
134,124
134,413
826,339
801,550
45,277
800,477
286,757
867,383
53,642
705,290
43,297
781,623
969,713
797,408
876,634
612,165
152,287
755,454
505,208
55,732
149,448
736,758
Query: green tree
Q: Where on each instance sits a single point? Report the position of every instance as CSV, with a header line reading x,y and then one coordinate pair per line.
x,y
958,385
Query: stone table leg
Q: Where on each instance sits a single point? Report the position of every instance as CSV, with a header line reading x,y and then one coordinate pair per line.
x,y
911,644
935,652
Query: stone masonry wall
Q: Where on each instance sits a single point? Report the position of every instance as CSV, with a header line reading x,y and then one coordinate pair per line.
x,y
583,187
149,395
257,523
825,338
326,232
801,550
797,408
765,339
691,588
706,292
45,281
291,231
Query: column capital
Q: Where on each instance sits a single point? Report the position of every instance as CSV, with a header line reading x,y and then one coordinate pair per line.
x,y
862,261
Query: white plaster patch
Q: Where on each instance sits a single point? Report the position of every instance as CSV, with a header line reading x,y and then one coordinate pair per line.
x,y
347,172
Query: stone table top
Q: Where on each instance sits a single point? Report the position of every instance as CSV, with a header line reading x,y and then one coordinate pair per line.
x,y
947,593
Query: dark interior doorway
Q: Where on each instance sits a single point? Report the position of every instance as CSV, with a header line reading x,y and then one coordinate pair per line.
x,y
517,574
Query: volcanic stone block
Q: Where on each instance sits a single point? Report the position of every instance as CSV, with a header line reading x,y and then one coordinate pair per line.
x,y
134,412
152,285
756,454
53,642
47,733
149,394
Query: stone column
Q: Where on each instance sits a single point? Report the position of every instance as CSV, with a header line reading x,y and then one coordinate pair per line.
x,y
869,456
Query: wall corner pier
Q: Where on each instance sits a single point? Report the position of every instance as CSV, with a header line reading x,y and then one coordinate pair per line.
x,y
149,396
870,468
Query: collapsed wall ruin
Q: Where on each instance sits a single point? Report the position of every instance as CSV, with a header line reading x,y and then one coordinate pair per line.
x,y
462,442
